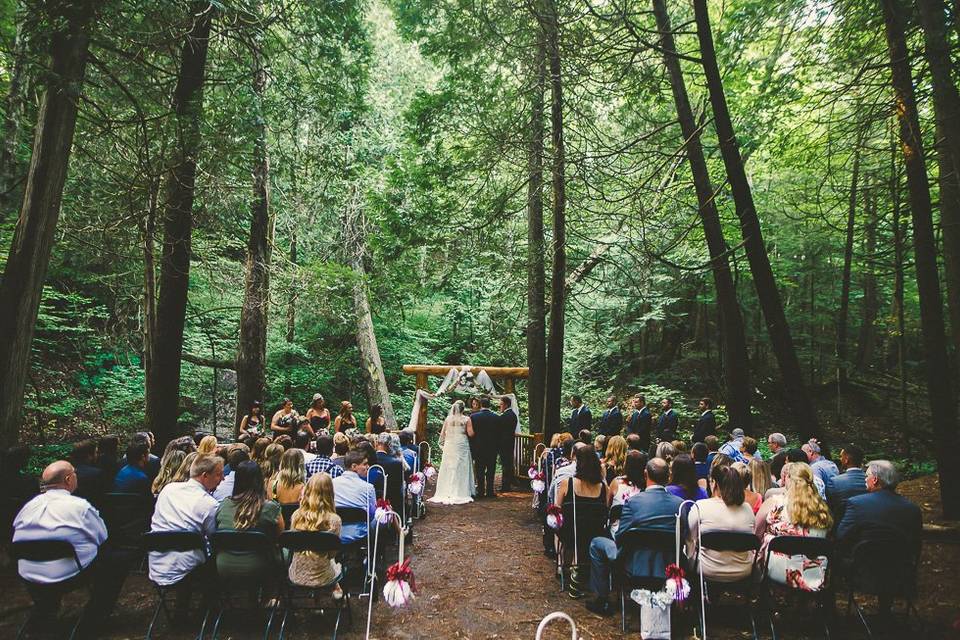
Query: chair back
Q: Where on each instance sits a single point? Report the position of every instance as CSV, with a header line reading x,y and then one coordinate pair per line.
x,y
127,515
632,542
44,551
241,541
729,541
316,541
884,568
287,510
615,512
164,541
353,515
801,546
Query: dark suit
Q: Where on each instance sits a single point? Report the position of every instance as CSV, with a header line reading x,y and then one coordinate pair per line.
x,y
90,483
611,422
841,488
880,515
706,426
653,508
641,423
508,427
667,423
486,429
394,469
580,419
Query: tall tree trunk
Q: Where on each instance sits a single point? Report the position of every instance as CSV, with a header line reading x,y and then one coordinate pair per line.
x,y
734,341
898,285
29,256
252,347
163,392
291,315
554,381
937,366
867,335
9,173
844,314
767,293
536,281
371,366
946,107
147,231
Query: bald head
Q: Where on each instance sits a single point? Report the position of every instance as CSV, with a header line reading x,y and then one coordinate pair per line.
x,y
657,472
59,475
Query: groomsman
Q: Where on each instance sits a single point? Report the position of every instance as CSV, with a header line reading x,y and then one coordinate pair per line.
x,y
508,427
668,422
706,423
611,422
640,421
580,417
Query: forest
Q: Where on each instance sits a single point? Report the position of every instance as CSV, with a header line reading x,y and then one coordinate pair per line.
x,y
207,203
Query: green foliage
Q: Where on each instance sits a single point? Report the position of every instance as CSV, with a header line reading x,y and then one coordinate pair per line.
x,y
42,455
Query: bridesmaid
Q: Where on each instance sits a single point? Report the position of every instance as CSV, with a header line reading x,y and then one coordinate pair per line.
x,y
376,423
252,424
285,420
318,414
345,420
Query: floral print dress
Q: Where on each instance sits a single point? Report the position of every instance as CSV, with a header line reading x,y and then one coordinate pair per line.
x,y
799,571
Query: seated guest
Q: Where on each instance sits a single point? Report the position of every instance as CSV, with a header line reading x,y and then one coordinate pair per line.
x,y
585,436
248,509
316,513
305,443
152,467
351,489
699,451
108,455
169,465
600,445
666,451
881,513
288,484
777,442
614,458
183,443
186,506
713,447
733,447
410,452
652,508
322,462
90,479
799,512
569,467
852,482
760,478
683,479
627,484
341,444
56,514
748,450
750,496
725,511
258,452
207,446
822,468
635,443
183,473
132,477
285,442
270,464
394,470
235,457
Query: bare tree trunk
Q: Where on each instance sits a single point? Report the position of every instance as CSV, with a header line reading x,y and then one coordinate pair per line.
x,y
291,314
767,293
898,282
536,281
554,379
937,366
844,314
163,393
371,365
9,171
734,341
254,319
867,335
29,256
147,231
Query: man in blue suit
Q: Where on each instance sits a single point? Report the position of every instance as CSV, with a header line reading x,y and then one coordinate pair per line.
x,y
653,508
852,482
706,423
668,423
611,422
486,427
641,422
580,417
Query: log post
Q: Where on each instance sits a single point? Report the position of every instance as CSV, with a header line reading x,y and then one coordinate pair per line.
x,y
422,418
508,386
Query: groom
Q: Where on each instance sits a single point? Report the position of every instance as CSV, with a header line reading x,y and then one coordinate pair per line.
x,y
486,430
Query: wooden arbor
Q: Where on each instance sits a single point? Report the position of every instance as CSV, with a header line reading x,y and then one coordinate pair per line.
x,y
507,374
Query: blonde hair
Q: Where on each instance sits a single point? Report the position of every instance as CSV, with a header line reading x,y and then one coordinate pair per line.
x,y
270,463
292,471
805,507
666,450
169,466
183,472
760,478
616,454
554,441
208,445
316,506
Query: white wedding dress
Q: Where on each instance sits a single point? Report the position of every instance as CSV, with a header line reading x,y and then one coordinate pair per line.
x,y
455,480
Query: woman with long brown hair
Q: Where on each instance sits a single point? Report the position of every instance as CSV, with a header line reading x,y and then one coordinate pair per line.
x,y
316,513
345,419
376,423
248,509
725,511
614,458
169,465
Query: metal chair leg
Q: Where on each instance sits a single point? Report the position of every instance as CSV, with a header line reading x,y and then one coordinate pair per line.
x,y
623,612
153,621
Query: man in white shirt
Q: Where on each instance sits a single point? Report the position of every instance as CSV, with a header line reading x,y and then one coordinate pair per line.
x,y
186,506
56,514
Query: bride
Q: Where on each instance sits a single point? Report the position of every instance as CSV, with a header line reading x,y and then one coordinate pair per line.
x,y
455,481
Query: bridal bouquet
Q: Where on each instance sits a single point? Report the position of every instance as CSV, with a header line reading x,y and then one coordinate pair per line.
x,y
400,587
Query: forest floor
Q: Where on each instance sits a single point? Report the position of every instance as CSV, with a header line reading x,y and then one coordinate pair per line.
x,y
482,574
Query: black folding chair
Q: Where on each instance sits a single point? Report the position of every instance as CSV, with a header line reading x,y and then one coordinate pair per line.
x,y
317,542
811,548
629,544
127,516
361,549
581,524
168,542
614,516
733,541
287,509
883,568
49,551
246,542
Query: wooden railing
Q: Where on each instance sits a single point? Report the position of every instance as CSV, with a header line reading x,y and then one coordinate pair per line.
x,y
523,445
